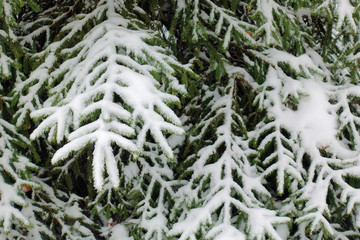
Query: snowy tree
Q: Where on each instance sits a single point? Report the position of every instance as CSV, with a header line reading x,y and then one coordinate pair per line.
x,y
179,119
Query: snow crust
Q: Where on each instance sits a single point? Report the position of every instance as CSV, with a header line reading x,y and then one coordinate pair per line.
x,y
314,118
120,232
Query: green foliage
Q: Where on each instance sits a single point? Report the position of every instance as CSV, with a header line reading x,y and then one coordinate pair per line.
x,y
179,119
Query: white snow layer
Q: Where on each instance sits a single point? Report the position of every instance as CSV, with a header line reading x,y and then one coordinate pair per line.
x,y
314,119
120,232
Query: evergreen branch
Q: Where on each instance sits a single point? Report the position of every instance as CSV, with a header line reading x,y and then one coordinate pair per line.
x,y
64,15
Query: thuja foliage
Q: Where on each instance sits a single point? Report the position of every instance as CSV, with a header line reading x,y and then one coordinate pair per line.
x,y
179,119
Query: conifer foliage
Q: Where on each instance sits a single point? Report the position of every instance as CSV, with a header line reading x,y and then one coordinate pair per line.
x,y
179,119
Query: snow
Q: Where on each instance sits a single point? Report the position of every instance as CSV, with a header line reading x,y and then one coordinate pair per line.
x,y
314,118
266,9
227,21
230,233
345,10
145,99
120,232
131,170
283,231
5,62
111,93
74,211
301,12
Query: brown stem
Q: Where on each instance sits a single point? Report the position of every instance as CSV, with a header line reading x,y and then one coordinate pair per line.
x,y
65,14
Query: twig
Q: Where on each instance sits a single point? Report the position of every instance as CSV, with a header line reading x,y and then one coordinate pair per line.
x,y
65,14
357,65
